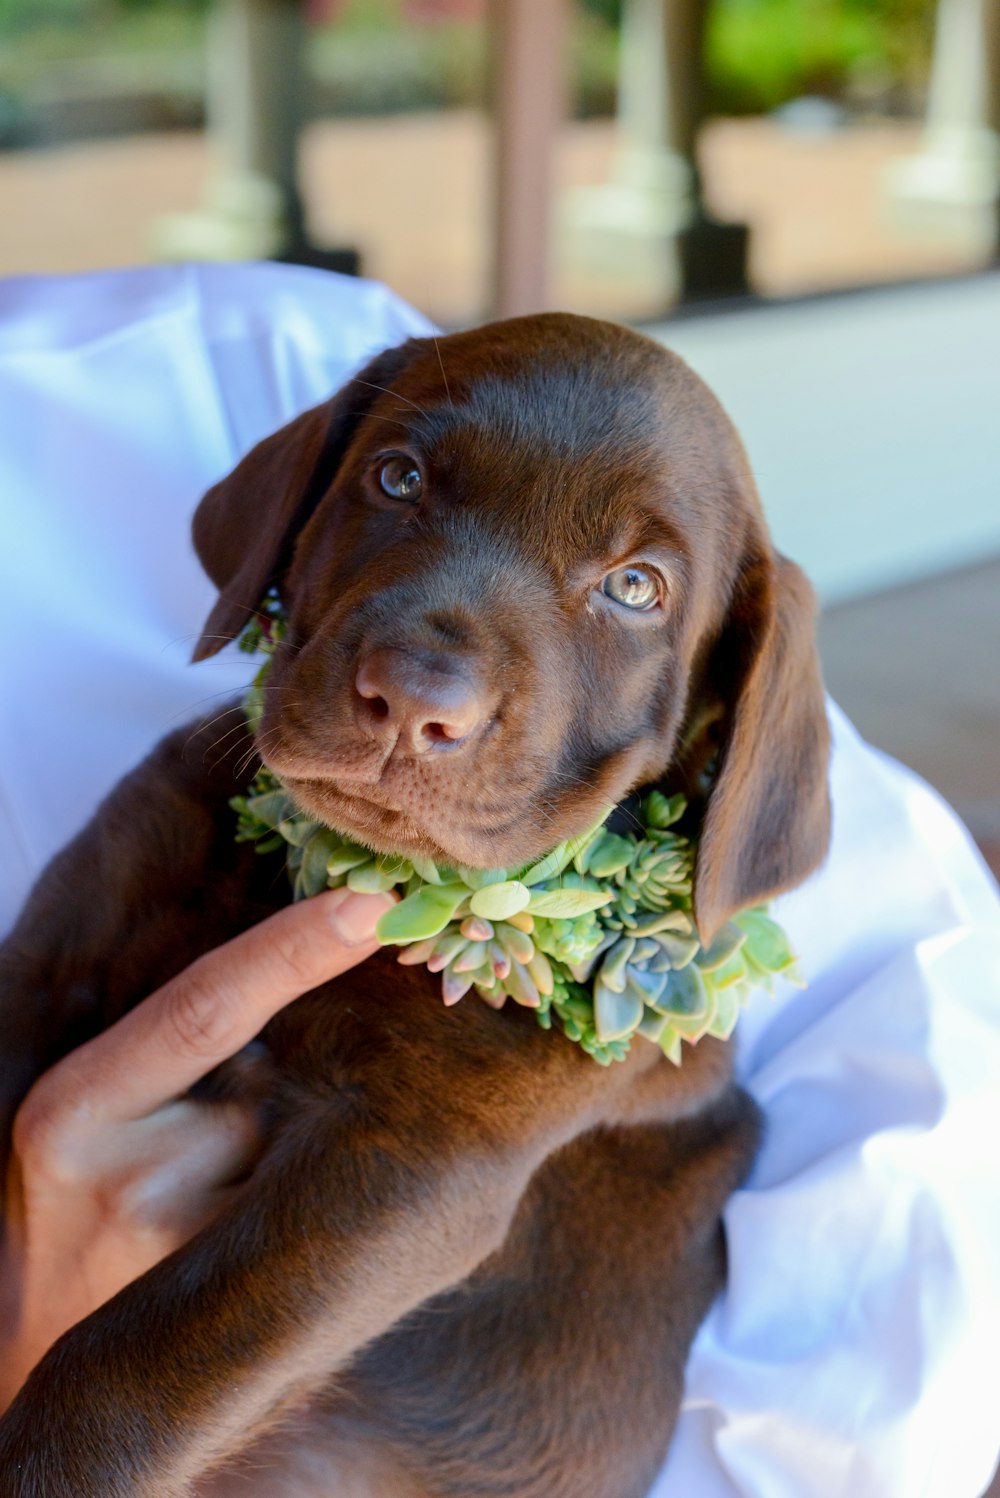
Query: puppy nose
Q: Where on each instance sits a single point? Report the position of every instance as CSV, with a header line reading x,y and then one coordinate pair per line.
x,y
419,704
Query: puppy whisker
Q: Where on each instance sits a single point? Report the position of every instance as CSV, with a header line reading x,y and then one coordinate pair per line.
x,y
218,743
194,635
200,727
447,388
386,391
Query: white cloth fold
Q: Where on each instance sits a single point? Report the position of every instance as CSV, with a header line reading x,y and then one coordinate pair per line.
x,y
854,1350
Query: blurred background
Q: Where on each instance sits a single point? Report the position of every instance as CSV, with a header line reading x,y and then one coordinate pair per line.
x,y
840,143
801,196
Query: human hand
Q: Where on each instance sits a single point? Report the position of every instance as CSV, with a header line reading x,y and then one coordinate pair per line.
x,y
112,1166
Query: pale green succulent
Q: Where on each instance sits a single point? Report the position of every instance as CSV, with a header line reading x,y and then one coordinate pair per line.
x,y
570,940
598,935
499,957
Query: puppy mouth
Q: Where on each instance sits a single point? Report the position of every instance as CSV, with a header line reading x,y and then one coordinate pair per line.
x,y
404,812
388,828
408,805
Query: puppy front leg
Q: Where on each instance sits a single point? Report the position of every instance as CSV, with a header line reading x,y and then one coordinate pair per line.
x,y
150,884
351,1223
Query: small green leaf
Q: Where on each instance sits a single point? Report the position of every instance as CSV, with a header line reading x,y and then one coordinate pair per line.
x,y
567,903
652,1025
670,1045
606,856
645,985
727,942
679,950
423,914
693,1026
476,878
314,858
553,863
496,902
684,994
660,811
652,922
613,968
298,829
615,1014
766,944
446,949
271,808
344,857
522,987
727,1012
417,952
471,958
369,879
733,971
310,877
541,972
455,986
516,943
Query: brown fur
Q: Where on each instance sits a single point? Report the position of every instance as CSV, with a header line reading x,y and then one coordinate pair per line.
x,y
471,1261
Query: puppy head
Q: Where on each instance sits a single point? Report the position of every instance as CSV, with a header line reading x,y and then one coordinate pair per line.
x,y
526,572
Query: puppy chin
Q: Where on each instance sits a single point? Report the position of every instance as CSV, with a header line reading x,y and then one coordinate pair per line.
x,y
443,838
398,814
398,830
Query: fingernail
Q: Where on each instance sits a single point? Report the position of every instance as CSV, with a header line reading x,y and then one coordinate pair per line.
x,y
354,915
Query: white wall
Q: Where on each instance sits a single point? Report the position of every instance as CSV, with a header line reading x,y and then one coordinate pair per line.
x,y
872,422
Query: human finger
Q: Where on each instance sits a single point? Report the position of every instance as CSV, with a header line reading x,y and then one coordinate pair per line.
x,y
209,1011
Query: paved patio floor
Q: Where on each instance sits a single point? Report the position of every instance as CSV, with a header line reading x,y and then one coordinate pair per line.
x,y
412,193
918,670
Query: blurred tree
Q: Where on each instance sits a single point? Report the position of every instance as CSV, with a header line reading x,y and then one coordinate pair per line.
x,y
609,11
382,55
762,53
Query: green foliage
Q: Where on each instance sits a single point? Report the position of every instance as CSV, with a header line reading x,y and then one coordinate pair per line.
x,y
761,53
598,935
371,58
608,11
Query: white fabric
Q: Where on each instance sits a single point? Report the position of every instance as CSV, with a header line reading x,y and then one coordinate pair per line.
x,y
123,396
854,1351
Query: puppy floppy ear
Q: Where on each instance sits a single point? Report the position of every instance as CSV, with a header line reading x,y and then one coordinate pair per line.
x,y
245,527
767,822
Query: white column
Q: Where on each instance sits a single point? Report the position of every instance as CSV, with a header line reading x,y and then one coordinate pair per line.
x,y
657,114
256,110
951,188
629,225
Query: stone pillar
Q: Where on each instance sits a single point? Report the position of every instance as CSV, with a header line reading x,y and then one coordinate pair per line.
x,y
529,66
256,110
649,223
659,104
951,188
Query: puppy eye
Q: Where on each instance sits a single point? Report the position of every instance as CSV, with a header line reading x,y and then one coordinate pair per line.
x,y
400,478
632,587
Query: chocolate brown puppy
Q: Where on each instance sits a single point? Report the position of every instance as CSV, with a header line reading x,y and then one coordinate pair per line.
x,y
526,572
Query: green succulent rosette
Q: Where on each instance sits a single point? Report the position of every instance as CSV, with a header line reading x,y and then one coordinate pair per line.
x,y
597,937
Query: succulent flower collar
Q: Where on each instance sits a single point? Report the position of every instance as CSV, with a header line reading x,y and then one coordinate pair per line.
x,y
597,936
